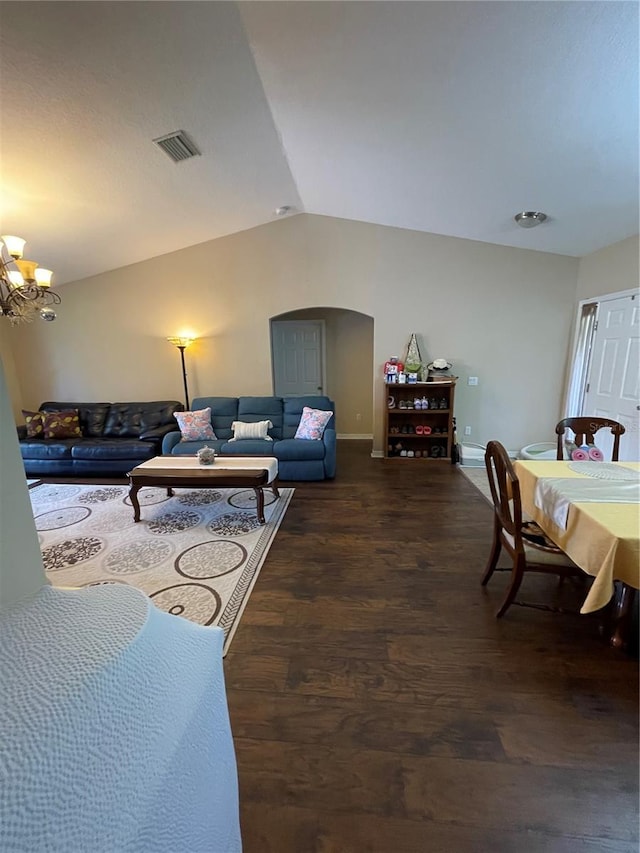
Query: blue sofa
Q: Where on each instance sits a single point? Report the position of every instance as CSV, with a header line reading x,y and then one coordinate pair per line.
x,y
298,459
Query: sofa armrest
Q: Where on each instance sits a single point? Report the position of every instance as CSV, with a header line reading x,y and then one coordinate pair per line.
x,y
157,433
169,442
329,439
22,431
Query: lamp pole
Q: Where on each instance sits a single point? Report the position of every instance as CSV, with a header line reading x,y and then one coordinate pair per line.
x,y
184,377
182,343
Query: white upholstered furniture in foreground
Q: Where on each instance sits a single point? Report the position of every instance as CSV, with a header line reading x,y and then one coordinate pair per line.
x,y
115,728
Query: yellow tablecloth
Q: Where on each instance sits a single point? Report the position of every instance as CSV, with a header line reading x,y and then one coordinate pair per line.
x,y
602,538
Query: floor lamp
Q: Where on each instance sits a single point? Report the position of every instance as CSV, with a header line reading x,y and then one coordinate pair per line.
x,y
182,344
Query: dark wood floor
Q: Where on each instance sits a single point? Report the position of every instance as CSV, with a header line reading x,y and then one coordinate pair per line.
x,y
377,704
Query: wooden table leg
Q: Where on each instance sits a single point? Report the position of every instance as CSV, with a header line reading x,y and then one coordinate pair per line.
x,y
260,503
622,607
274,488
133,497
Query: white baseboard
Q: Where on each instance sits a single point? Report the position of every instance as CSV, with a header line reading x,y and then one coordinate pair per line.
x,y
377,454
354,435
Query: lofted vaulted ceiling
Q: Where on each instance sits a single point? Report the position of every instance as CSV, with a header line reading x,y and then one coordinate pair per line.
x,y
445,117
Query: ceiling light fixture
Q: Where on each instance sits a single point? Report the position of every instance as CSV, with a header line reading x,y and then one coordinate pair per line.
x,y
530,218
25,288
282,211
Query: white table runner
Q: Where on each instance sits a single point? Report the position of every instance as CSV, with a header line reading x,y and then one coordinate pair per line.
x,y
554,495
222,463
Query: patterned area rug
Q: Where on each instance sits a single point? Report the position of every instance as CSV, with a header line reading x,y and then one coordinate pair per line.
x,y
196,554
478,477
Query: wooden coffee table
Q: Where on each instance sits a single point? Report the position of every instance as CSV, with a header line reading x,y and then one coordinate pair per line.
x,y
186,472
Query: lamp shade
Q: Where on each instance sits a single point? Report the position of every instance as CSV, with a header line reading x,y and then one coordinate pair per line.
x,y
27,268
15,245
15,278
43,277
181,341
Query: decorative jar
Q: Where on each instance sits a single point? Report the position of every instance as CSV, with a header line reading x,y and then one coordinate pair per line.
x,y
206,455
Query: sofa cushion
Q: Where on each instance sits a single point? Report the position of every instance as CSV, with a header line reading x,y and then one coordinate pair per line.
x,y
34,423
224,410
312,424
128,420
298,449
54,449
62,424
91,415
249,447
195,425
253,409
190,448
106,449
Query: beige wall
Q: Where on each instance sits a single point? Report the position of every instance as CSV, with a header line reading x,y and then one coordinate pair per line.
x,y
611,270
502,314
8,341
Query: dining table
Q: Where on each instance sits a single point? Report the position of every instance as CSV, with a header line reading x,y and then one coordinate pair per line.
x,y
592,511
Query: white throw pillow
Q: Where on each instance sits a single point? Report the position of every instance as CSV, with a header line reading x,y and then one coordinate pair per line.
x,y
258,430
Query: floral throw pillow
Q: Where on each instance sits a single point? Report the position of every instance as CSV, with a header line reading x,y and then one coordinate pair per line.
x,y
195,426
312,423
62,424
34,421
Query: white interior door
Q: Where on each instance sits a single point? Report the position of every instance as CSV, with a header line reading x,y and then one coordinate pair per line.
x,y
297,350
613,384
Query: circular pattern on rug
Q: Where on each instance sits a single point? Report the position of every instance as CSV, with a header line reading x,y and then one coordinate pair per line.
x,y
54,519
173,522
71,552
47,494
193,601
148,496
99,496
200,497
233,524
133,557
211,559
246,499
119,517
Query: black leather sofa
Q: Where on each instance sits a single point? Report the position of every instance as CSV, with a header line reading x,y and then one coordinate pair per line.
x,y
115,438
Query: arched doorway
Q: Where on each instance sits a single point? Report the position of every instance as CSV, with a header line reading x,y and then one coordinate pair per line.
x,y
347,350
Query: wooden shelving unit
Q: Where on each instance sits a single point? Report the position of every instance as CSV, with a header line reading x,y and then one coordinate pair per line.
x,y
414,431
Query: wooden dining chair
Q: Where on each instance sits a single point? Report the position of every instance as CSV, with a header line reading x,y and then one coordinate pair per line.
x,y
584,430
526,544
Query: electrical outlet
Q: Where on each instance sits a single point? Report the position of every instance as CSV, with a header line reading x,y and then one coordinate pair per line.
x,y
358,417
472,380
467,430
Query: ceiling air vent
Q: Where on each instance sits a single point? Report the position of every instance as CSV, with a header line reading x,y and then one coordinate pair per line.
x,y
177,145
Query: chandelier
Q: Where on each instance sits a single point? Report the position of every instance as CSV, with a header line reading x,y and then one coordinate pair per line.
x,y
25,288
